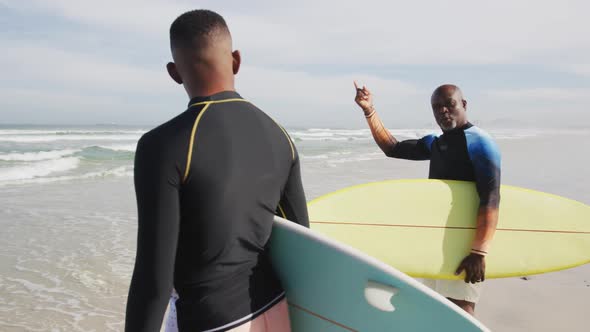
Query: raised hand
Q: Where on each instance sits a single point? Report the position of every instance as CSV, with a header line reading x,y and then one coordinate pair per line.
x,y
363,98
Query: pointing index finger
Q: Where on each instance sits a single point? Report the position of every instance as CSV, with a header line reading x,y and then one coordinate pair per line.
x,y
355,85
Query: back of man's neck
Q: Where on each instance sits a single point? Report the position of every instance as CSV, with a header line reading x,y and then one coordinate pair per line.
x,y
210,90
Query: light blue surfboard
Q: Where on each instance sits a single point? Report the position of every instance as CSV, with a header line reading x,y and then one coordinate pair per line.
x,y
334,288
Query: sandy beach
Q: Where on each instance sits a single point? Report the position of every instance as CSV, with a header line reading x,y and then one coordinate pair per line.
x,y
555,301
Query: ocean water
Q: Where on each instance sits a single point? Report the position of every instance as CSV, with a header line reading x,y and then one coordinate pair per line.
x,y
41,155
68,218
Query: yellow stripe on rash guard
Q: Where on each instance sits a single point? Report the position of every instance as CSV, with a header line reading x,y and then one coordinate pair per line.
x,y
192,140
284,215
290,142
194,131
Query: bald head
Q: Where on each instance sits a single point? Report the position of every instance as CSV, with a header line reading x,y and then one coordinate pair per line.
x,y
448,91
449,107
204,61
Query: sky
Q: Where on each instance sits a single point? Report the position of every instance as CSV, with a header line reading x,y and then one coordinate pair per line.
x,y
519,63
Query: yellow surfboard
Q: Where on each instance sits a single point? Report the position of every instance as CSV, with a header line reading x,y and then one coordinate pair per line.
x,y
425,227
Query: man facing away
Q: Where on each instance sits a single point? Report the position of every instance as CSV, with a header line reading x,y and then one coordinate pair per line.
x,y
462,152
208,183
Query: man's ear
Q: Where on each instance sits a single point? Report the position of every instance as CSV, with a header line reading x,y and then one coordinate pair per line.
x,y
465,105
171,67
237,61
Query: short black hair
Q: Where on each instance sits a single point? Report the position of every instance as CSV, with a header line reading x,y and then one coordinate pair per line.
x,y
195,26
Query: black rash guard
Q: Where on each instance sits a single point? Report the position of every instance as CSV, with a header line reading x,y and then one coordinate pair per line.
x,y
208,184
466,153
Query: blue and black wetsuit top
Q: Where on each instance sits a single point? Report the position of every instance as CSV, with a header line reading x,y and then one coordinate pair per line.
x,y
208,184
466,153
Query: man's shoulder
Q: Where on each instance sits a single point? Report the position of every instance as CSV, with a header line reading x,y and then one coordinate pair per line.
x,y
477,132
476,135
167,132
479,142
429,139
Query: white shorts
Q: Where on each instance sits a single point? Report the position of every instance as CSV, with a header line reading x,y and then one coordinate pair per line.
x,y
171,321
455,289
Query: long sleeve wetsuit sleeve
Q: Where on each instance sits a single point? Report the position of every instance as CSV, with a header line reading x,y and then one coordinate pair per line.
x,y
412,149
293,205
156,185
486,159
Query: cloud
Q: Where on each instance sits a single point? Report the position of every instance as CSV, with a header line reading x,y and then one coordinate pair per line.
x,y
53,99
78,71
81,71
319,90
545,107
68,83
130,15
578,69
300,98
542,94
299,58
49,85
43,106
378,32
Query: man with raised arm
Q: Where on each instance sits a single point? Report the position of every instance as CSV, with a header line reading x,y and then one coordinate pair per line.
x,y
463,152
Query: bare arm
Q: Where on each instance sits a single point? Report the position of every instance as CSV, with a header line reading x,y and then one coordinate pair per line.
x,y
487,220
382,136
474,264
